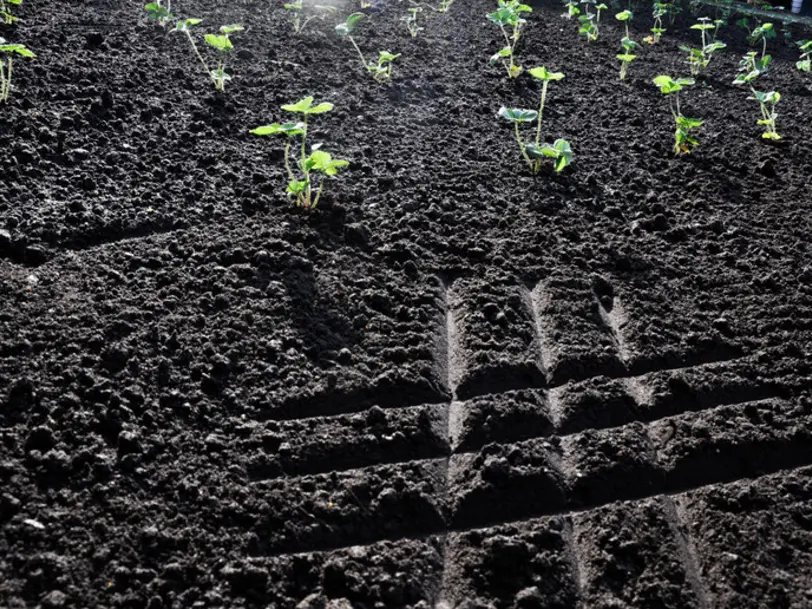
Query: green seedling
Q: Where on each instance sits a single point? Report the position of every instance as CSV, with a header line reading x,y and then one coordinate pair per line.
x,y
382,70
509,19
160,11
805,62
5,11
660,10
589,23
751,67
625,18
411,21
300,20
626,57
698,59
308,186
440,8
220,42
762,33
535,152
684,141
7,66
572,9
767,101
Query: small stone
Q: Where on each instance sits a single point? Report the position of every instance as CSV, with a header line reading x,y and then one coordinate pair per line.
x,y
345,356
55,598
128,443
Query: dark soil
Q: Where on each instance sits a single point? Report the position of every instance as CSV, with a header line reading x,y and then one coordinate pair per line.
x,y
452,385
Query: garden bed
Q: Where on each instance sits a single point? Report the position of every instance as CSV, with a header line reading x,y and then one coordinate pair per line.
x,y
452,384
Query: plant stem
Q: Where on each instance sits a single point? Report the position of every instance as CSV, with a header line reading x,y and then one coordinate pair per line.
x,y
541,111
6,89
199,56
318,194
304,163
360,54
763,47
287,159
521,144
3,95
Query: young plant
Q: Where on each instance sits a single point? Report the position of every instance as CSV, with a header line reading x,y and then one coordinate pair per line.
x,y
381,71
590,23
625,18
160,11
751,67
444,6
626,57
300,20
805,63
7,66
308,189
509,18
221,42
684,142
572,9
411,21
5,11
762,33
660,10
534,152
698,59
767,101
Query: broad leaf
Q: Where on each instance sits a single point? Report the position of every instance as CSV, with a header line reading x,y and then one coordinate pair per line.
x,y
219,42
230,29
346,28
624,15
16,48
517,115
289,129
303,105
320,108
541,73
564,154
296,187
184,24
627,57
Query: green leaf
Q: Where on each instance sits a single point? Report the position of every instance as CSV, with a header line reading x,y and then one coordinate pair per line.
x,y
624,15
769,135
564,154
534,152
667,84
296,187
804,66
303,105
541,73
320,108
16,48
627,57
230,29
517,115
15,2
688,123
184,24
702,26
219,42
288,129
386,57
346,28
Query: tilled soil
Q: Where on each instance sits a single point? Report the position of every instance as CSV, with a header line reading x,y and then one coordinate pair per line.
x,y
452,385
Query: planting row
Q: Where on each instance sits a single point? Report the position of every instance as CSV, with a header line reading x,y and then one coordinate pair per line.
x,y
309,168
